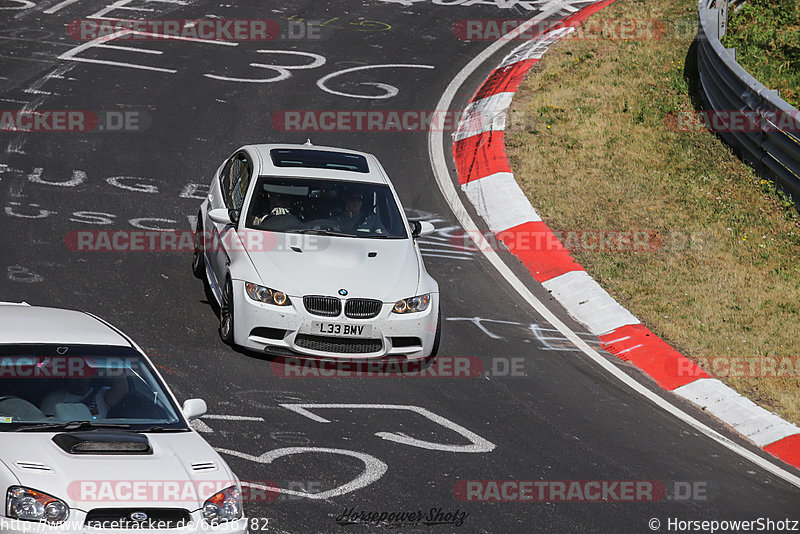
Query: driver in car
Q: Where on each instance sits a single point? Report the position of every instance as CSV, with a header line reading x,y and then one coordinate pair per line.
x,y
356,215
279,204
81,390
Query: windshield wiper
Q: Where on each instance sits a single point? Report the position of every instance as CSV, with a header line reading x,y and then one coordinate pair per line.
x,y
69,426
320,232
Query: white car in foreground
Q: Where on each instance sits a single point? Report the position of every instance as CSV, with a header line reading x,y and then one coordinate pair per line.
x,y
307,251
92,440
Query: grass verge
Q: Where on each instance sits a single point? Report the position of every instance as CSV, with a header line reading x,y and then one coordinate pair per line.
x,y
766,36
592,146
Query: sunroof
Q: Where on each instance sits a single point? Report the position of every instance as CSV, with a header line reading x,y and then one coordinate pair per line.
x,y
318,159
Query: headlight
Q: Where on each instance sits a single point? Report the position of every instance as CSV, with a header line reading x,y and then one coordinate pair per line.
x,y
265,294
31,505
413,304
223,506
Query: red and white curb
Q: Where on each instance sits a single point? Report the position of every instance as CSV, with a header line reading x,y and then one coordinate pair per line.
x,y
485,176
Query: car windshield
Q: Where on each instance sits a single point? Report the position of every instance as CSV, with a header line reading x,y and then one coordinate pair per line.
x,y
329,207
81,386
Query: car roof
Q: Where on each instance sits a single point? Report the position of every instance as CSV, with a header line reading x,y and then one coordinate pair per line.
x,y
268,168
36,324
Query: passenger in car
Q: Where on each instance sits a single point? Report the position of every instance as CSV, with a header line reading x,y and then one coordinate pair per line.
x,y
97,398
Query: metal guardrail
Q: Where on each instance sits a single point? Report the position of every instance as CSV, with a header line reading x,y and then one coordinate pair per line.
x,y
726,86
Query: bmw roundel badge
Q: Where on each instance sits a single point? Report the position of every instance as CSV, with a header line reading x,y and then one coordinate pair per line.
x,y
343,292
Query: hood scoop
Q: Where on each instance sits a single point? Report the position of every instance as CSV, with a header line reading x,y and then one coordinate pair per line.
x,y
34,466
103,442
200,467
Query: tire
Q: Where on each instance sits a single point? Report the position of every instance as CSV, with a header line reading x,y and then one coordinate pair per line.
x,y
226,314
198,259
437,338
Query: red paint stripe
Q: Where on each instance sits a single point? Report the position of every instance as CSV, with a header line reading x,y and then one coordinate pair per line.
x,y
787,449
480,155
668,367
539,249
504,79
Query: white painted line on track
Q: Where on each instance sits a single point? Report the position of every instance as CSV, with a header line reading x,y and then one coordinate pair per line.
x,y
448,189
59,6
478,444
233,417
374,469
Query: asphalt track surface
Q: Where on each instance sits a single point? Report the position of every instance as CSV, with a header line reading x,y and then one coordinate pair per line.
x,y
563,420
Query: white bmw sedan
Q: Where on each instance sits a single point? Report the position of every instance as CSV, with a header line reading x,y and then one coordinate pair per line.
x,y
92,440
307,251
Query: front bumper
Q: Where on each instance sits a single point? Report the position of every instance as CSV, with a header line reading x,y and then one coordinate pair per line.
x,y
77,518
288,330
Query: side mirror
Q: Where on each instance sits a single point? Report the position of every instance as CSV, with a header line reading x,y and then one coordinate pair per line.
x,y
220,216
194,408
421,228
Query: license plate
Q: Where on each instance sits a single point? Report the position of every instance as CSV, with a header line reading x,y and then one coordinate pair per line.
x,y
341,329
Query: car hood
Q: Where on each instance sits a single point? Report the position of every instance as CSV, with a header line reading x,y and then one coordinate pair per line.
x,y
383,269
105,481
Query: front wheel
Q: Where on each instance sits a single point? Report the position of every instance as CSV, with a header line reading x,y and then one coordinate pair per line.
x,y
226,313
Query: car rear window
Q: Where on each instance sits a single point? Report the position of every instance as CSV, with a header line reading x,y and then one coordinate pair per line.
x,y
318,159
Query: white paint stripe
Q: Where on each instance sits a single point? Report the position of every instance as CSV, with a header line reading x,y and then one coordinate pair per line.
x,y
705,391
130,49
589,303
484,115
628,349
448,189
102,41
59,6
748,418
500,201
617,340
119,64
776,431
233,417
200,426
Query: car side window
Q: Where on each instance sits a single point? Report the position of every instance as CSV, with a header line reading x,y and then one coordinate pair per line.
x,y
235,180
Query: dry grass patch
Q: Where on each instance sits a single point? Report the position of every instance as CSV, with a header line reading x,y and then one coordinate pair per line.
x,y
591,145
